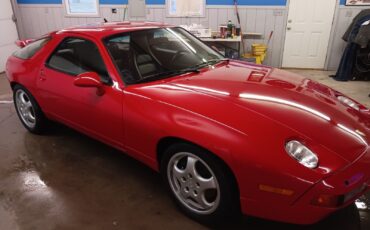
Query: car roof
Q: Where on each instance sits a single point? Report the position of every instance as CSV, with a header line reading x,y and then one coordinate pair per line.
x,y
104,29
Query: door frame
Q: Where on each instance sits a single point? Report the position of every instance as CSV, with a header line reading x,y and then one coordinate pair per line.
x,y
17,16
331,37
13,5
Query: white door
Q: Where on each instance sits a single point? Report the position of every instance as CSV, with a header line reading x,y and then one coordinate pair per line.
x,y
8,31
307,33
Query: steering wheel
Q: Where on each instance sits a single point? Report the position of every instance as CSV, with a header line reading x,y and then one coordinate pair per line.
x,y
178,56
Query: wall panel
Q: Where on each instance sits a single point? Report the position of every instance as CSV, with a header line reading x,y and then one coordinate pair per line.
x,y
40,19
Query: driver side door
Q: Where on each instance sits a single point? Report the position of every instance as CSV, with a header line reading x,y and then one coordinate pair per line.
x,y
99,116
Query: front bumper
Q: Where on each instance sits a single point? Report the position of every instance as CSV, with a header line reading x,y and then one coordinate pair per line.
x,y
348,184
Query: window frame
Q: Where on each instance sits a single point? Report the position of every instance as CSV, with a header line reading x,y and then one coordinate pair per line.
x,y
46,64
111,58
202,15
66,6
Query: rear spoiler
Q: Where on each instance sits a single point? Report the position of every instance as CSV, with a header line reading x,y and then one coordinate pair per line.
x,y
23,43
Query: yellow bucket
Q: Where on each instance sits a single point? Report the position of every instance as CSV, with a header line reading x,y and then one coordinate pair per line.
x,y
259,49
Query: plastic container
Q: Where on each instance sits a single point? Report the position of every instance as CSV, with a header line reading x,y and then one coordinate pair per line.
x,y
229,29
259,49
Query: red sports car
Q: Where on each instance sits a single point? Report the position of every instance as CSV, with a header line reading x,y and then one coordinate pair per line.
x,y
228,137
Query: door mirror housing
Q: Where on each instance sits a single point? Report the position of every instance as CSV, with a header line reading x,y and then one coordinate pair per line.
x,y
90,80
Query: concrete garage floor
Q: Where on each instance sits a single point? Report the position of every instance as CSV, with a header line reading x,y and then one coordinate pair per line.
x,y
66,180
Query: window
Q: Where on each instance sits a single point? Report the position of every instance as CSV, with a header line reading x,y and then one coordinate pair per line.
x,y
185,8
31,49
157,53
82,8
75,56
358,2
121,53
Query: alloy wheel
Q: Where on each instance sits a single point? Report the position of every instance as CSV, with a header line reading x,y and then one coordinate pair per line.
x,y
193,183
25,108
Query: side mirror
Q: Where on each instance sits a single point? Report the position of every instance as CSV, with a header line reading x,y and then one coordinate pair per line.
x,y
90,80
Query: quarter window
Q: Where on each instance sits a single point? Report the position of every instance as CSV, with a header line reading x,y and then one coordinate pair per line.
x,y
75,56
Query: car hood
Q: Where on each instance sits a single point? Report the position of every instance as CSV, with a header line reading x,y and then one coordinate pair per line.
x,y
306,107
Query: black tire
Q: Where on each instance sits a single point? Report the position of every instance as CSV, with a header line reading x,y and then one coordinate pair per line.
x,y
228,208
40,121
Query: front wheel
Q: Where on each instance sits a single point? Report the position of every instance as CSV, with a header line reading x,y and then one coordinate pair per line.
x,y
200,184
28,110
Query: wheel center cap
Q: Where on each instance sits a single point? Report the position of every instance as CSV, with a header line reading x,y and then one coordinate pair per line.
x,y
191,184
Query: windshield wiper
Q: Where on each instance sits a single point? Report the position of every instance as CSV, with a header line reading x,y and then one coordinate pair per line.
x,y
194,69
211,62
215,61
166,74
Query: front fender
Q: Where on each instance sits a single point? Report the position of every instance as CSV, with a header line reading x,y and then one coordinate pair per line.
x,y
251,145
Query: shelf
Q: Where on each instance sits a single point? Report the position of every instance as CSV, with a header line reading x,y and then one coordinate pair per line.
x,y
237,39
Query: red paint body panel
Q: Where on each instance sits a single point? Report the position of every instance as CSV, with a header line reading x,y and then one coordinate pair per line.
x,y
241,112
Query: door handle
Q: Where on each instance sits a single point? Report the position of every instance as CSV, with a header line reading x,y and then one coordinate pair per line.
x,y
14,18
288,28
42,75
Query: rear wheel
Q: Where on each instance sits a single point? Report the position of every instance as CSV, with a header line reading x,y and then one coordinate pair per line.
x,y
28,110
200,184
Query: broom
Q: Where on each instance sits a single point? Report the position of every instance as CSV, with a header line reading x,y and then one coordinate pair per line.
x,y
238,18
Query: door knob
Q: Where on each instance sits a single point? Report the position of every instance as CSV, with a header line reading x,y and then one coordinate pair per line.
x,y
289,28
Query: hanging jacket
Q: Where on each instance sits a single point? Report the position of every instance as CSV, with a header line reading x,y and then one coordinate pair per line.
x,y
363,36
355,25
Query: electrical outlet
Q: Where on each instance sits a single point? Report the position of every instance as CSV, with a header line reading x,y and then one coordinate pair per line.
x,y
114,10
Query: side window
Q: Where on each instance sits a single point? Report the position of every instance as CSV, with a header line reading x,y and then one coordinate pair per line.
x,y
122,54
31,49
75,56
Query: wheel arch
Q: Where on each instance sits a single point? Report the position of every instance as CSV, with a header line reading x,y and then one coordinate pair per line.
x,y
166,142
13,84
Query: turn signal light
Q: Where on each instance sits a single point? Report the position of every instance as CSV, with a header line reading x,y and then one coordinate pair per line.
x,y
281,191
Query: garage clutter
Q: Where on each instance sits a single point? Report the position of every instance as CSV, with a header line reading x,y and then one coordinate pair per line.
x,y
355,62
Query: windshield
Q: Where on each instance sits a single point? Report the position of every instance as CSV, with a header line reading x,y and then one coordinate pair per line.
x,y
154,54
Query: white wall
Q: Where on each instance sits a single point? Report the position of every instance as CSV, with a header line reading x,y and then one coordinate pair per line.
x,y
35,20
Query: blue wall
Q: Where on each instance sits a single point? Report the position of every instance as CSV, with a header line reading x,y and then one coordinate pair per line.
x,y
61,1
248,2
113,2
39,1
161,2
